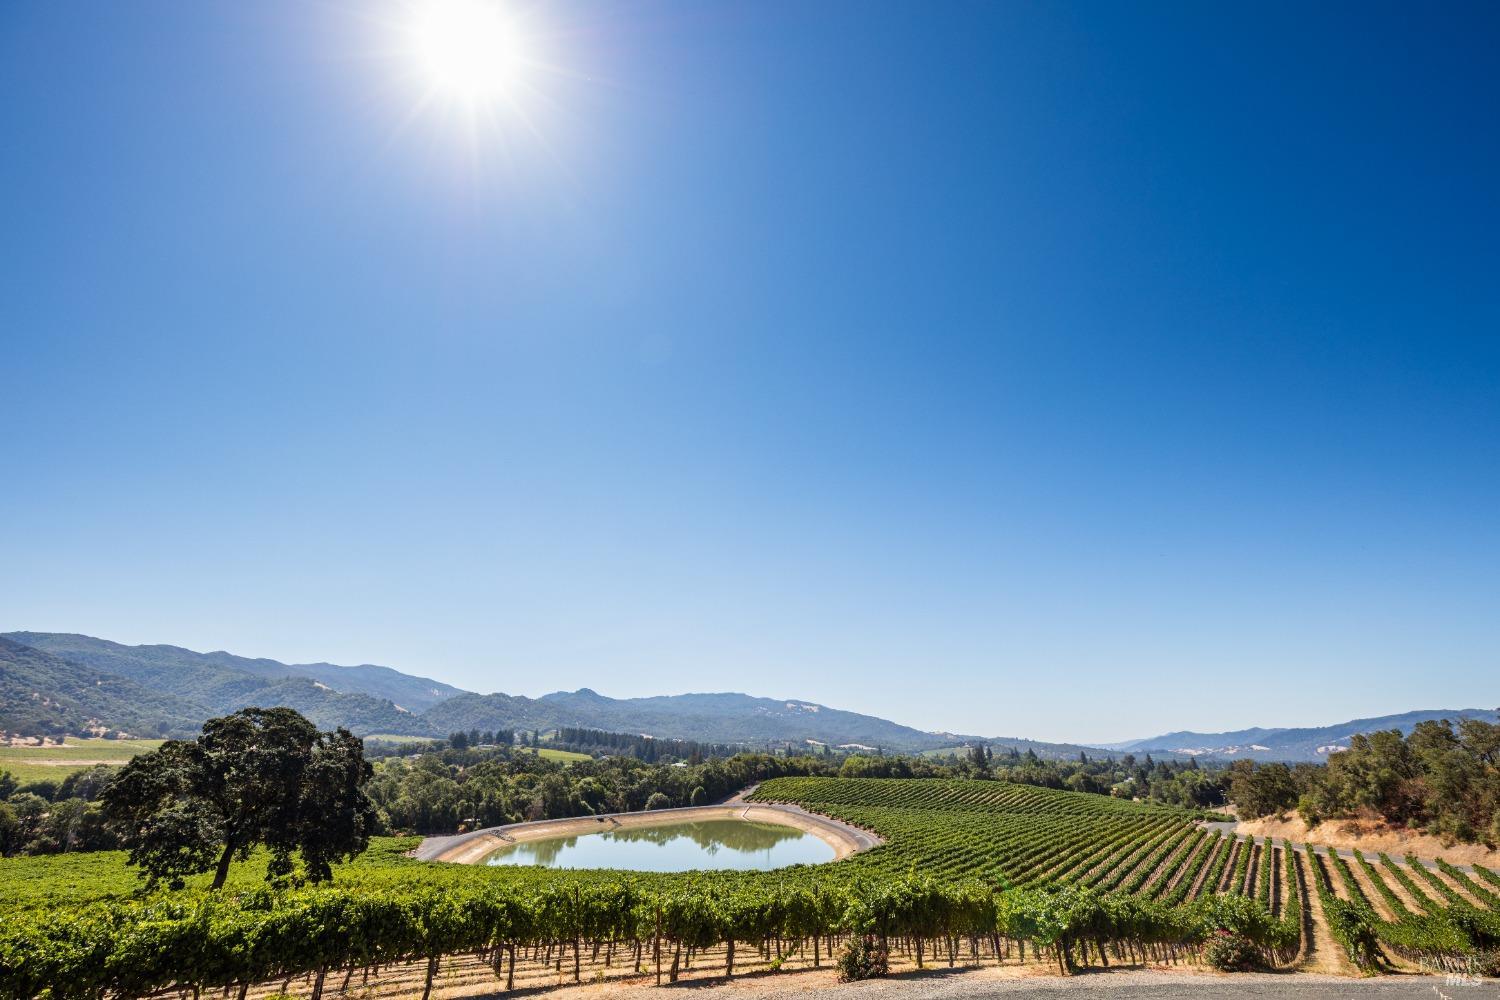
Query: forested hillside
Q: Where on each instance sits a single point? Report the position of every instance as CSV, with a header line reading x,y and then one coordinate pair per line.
x,y
721,718
44,694
207,673
64,684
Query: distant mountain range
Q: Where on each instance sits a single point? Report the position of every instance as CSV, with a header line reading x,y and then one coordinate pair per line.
x,y
716,718
58,682
1291,745
62,683
170,691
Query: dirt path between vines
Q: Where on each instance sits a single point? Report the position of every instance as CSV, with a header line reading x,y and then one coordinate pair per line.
x,y
1323,955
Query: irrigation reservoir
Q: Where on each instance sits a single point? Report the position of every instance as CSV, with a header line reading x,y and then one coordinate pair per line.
x,y
737,837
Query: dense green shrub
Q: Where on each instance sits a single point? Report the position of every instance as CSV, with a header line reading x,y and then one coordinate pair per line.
x,y
1230,952
862,958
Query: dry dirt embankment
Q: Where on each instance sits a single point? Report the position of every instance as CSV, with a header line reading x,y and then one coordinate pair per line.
x,y
1367,836
467,848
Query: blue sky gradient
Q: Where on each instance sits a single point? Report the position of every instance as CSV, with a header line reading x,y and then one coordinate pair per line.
x,y
1061,371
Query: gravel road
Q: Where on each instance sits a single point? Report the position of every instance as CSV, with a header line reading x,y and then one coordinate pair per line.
x,y
984,983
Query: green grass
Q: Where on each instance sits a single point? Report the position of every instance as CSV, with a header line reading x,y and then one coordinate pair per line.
x,y
546,753
100,876
56,763
564,756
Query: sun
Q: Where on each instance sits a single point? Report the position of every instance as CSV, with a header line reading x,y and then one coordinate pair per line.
x,y
480,74
468,50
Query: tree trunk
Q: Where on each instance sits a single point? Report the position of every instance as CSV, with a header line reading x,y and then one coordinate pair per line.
x,y
431,971
222,872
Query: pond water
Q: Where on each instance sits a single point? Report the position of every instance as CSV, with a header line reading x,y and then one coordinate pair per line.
x,y
716,844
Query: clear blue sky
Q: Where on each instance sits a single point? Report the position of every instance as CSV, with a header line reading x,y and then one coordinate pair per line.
x,y
1064,371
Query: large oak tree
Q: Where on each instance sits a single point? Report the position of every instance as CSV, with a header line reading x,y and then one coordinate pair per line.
x,y
262,776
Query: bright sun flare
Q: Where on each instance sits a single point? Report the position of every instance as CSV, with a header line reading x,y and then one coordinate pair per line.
x,y
467,49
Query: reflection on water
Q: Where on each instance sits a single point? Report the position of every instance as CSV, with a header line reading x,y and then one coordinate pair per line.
x,y
673,847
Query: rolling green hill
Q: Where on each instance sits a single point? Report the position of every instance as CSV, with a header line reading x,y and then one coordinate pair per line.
x,y
45,694
55,683
213,675
713,718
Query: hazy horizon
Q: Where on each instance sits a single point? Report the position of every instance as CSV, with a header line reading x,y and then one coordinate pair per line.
x,y
1010,369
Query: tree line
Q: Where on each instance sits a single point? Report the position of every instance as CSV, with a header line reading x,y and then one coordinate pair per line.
x,y
647,748
1442,778
1169,782
451,790
469,781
